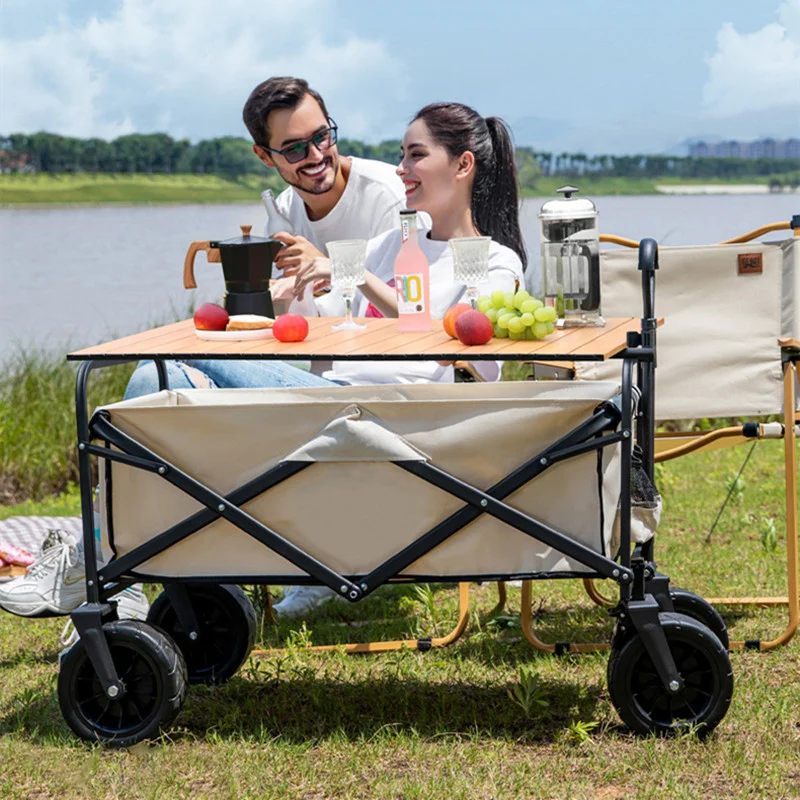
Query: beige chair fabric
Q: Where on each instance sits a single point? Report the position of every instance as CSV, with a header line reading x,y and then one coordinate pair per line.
x,y
718,351
352,508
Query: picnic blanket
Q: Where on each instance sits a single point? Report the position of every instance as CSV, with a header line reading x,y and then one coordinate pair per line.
x,y
29,533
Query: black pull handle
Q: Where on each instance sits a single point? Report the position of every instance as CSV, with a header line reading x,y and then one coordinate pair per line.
x,y
648,264
648,254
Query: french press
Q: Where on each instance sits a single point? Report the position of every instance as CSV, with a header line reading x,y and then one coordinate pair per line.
x,y
571,259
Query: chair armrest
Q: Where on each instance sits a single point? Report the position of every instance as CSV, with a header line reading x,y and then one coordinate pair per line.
x,y
467,371
561,370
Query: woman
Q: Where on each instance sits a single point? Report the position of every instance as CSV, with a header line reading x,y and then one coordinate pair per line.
x,y
458,167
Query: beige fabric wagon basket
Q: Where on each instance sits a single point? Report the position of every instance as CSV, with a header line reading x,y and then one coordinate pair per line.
x,y
352,508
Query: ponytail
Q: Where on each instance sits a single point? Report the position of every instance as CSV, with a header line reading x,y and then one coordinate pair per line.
x,y
495,208
495,193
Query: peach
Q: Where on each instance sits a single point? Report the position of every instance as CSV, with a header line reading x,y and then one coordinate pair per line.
x,y
453,313
211,317
290,328
472,327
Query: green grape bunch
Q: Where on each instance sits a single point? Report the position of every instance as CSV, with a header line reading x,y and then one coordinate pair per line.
x,y
517,315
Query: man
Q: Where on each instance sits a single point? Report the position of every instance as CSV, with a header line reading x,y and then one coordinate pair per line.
x,y
330,196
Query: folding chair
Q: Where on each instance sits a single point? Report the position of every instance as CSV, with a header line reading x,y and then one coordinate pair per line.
x,y
729,348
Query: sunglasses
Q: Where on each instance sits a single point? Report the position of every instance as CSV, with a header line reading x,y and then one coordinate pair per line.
x,y
322,140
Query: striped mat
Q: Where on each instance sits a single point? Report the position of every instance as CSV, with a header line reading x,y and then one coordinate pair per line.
x,y
30,532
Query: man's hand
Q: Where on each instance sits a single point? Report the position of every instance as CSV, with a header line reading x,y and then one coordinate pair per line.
x,y
297,253
317,273
282,291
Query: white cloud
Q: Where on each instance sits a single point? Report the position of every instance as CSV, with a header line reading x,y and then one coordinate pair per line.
x,y
755,71
187,66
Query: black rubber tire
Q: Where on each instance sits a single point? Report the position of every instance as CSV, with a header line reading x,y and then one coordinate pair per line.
x,y
694,606
227,627
154,674
640,698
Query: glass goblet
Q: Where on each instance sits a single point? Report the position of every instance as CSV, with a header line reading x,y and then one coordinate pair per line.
x,y
347,272
471,263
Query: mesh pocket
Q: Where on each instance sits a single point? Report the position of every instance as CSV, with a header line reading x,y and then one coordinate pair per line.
x,y
646,505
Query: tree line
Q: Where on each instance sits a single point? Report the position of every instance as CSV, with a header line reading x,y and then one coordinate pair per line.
x,y
232,157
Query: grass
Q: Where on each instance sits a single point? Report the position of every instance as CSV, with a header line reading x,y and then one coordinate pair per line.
x,y
46,189
86,188
487,717
37,420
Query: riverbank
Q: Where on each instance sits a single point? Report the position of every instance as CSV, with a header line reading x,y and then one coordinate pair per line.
x,y
50,191
715,188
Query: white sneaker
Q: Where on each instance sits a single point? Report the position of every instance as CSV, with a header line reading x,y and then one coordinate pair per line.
x,y
299,600
55,583
131,604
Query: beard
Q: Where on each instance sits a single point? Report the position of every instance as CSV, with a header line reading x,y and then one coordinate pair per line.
x,y
318,185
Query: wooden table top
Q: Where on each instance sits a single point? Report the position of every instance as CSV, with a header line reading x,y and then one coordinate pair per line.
x,y
380,340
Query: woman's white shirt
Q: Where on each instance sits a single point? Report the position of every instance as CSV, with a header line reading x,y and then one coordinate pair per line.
x,y
505,269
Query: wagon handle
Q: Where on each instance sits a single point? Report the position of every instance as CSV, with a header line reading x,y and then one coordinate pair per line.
x,y
212,255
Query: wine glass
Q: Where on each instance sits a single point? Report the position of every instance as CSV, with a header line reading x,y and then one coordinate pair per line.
x,y
347,271
471,263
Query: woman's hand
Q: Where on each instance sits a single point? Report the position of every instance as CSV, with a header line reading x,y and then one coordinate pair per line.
x,y
297,253
316,273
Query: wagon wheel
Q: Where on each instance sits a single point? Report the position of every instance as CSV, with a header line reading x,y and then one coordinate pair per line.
x,y
153,673
642,701
700,609
227,627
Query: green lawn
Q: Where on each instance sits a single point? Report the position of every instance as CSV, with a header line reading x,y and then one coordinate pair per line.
x,y
85,188
298,724
105,189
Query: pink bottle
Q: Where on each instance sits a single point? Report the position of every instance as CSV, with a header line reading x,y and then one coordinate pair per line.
x,y
412,279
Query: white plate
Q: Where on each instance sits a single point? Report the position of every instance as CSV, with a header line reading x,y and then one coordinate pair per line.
x,y
234,336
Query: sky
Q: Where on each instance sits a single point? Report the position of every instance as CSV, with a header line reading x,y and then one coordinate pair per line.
x,y
597,76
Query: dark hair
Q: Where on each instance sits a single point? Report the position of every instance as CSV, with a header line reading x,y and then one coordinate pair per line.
x,y
495,194
273,94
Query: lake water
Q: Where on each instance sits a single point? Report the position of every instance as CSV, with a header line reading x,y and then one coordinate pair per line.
x,y
71,277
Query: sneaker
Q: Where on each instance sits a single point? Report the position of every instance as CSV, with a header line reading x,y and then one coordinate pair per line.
x,y
299,600
54,584
131,604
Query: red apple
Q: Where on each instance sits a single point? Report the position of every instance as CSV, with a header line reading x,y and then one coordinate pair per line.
x,y
291,328
210,317
472,327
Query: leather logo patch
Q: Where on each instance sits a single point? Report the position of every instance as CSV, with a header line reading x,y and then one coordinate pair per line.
x,y
751,264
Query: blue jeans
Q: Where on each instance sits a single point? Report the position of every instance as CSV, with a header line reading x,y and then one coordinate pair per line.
x,y
218,374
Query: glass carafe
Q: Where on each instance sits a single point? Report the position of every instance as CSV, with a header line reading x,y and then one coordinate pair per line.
x,y
571,260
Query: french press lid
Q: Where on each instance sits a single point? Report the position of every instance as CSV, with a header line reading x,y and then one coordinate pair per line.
x,y
568,207
244,240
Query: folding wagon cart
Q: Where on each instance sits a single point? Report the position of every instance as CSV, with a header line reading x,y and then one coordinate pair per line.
x,y
355,487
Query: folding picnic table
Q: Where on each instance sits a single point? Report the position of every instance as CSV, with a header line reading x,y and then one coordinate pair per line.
x,y
354,487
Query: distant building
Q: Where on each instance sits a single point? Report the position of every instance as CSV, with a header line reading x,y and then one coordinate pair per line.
x,y
14,162
761,148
